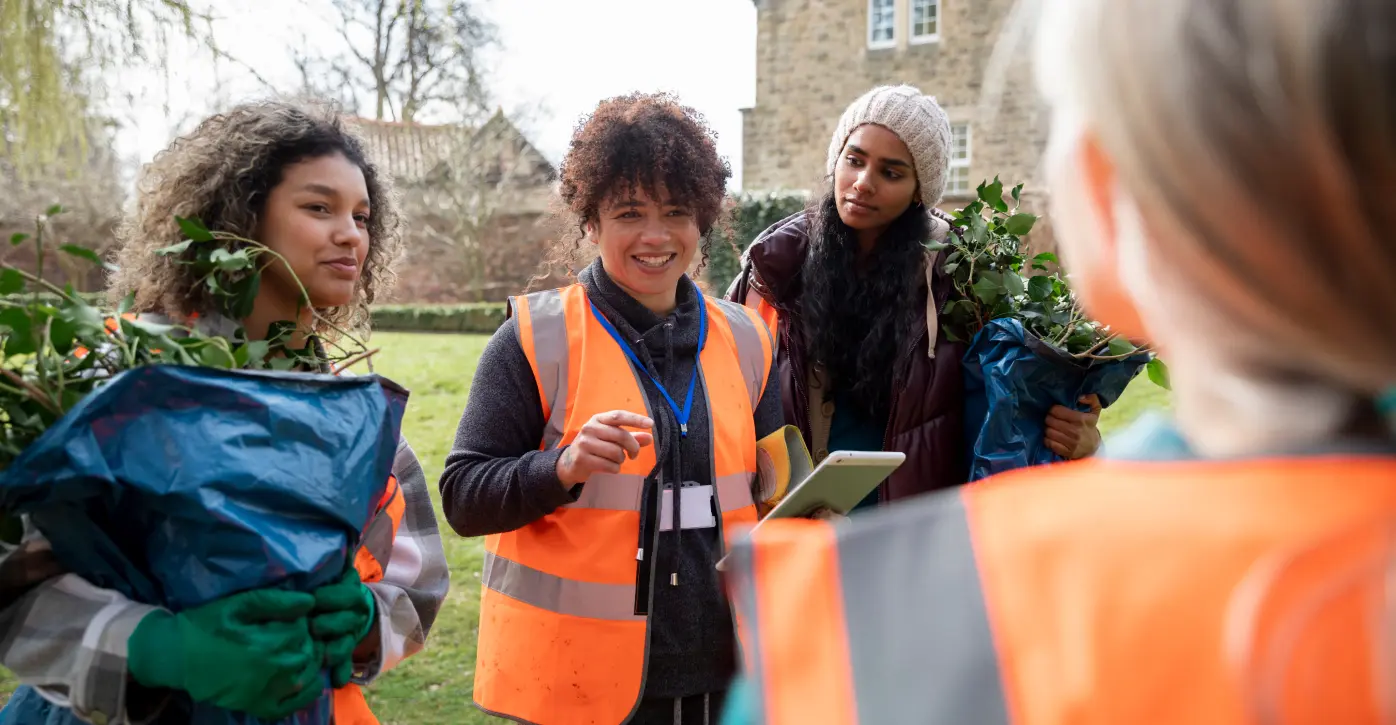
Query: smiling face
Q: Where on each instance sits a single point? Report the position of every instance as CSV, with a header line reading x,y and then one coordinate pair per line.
x,y
646,245
874,180
317,218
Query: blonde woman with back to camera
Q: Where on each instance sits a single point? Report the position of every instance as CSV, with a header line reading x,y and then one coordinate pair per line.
x,y
1221,172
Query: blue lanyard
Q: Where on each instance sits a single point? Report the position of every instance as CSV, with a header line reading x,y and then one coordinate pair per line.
x,y
681,415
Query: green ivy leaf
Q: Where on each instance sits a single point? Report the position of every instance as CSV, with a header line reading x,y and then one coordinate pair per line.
x,y
84,317
1020,224
1045,257
20,341
1158,374
992,194
11,281
146,327
55,210
240,306
951,267
1040,288
977,233
18,239
82,253
987,289
127,304
215,356
256,352
230,261
194,229
1013,283
1017,192
282,363
61,333
1120,346
174,249
1081,339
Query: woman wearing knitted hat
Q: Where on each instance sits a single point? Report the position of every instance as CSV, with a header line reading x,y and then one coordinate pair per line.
x,y
852,294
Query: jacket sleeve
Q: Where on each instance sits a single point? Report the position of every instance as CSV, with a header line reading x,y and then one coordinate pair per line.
x,y
67,638
496,478
770,414
415,577
736,292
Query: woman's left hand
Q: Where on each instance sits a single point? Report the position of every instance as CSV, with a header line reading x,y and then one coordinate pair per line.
x,y
1072,434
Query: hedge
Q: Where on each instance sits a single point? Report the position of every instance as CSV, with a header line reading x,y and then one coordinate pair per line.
x,y
752,213
480,317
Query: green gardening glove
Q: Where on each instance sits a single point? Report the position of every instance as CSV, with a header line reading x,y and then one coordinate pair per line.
x,y
344,614
251,652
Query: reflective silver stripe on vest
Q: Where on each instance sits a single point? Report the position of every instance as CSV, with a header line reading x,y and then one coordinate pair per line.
x,y
611,491
741,567
918,629
378,537
734,491
555,594
549,321
751,358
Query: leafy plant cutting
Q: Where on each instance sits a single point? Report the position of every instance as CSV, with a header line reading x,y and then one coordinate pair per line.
x,y
180,467
49,333
1031,346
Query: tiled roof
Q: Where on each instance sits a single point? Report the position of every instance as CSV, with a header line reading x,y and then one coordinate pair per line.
x,y
410,151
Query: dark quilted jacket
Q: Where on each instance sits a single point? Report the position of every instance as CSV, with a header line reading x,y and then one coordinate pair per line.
x,y
927,416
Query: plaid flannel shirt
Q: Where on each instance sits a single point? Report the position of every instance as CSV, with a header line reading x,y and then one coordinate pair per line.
x,y
67,638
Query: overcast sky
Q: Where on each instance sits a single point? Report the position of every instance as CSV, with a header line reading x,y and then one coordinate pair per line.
x,y
566,54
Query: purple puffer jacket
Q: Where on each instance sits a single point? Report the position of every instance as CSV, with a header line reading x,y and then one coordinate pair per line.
x,y
927,415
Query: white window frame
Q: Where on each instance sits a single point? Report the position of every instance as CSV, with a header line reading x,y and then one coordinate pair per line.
x,y
922,39
960,163
872,15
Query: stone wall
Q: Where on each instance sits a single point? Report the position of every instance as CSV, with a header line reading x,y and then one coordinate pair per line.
x,y
813,60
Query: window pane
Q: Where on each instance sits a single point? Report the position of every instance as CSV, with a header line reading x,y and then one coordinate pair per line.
x,y
958,181
959,142
924,17
882,21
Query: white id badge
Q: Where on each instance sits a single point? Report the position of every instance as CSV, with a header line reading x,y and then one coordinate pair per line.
x,y
697,508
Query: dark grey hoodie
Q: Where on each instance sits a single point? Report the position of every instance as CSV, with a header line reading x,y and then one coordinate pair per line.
x,y
496,479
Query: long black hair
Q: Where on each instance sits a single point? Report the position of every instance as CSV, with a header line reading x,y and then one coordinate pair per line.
x,y
858,313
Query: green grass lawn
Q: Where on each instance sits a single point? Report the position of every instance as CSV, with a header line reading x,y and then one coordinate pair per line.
x,y
434,687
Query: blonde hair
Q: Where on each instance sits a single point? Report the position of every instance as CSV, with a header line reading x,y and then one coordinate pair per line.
x,y
221,173
1259,139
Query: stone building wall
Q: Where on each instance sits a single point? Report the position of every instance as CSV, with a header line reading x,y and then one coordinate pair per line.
x,y
813,59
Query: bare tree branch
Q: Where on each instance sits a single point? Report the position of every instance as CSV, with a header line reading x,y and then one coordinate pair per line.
x,y
425,56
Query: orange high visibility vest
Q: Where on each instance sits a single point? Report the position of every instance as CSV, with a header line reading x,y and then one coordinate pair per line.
x,y
764,310
1095,592
350,707
559,640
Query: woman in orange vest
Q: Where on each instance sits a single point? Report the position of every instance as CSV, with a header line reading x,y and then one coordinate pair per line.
x,y
610,440
1222,181
299,180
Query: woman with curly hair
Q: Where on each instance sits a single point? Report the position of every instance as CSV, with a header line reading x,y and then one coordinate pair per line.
x,y
851,293
295,179
609,440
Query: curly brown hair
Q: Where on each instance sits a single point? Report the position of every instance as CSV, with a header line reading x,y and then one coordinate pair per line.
x,y
222,173
639,141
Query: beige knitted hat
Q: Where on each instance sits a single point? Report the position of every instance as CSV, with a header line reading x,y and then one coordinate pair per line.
x,y
917,120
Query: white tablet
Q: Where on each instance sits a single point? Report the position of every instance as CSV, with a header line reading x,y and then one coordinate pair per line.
x,y
838,483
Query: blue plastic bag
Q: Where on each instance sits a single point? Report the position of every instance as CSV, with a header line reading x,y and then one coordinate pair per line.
x,y
179,485
1012,378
